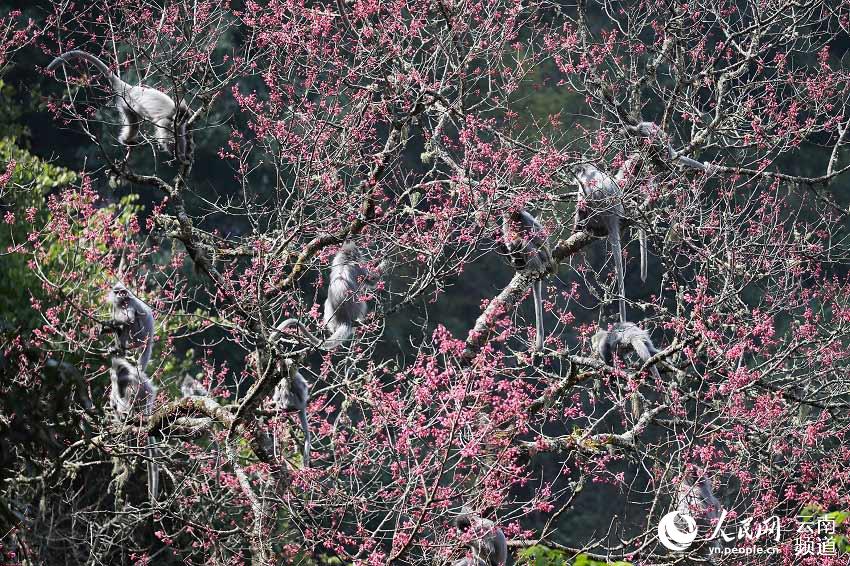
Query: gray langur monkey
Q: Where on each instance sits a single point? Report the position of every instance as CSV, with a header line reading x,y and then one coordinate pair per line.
x,y
599,210
651,129
191,387
293,395
138,103
343,307
488,545
132,391
525,242
625,335
134,321
695,498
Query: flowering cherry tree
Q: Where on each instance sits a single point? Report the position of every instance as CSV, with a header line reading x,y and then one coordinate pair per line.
x,y
411,128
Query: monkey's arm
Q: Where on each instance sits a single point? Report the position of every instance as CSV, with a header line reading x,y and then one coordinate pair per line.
x,y
121,336
145,315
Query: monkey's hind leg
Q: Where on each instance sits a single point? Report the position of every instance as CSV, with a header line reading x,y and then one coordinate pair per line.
x,y
130,123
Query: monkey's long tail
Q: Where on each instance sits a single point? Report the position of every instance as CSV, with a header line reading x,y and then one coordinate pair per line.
x,y
617,251
184,144
145,358
343,332
153,471
114,80
152,451
643,254
537,292
153,468
686,161
306,428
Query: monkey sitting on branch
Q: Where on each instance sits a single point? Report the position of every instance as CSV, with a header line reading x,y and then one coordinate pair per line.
x,y
343,306
131,392
525,242
133,323
606,343
292,393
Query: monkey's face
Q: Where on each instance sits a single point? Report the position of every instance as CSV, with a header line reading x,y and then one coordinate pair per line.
x,y
648,129
584,173
122,296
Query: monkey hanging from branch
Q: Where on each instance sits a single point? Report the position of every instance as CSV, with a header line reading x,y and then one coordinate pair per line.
x,y
137,104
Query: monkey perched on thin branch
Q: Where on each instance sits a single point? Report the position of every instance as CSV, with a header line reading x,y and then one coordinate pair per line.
x,y
525,243
136,104
625,335
133,323
599,211
343,306
652,130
